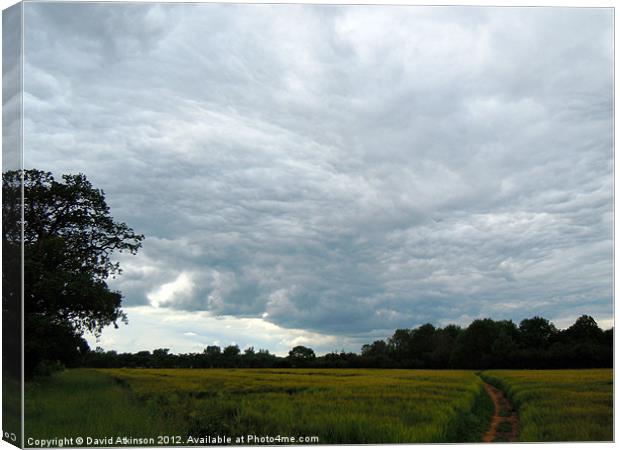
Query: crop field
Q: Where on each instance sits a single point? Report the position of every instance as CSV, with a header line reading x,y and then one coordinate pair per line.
x,y
83,402
338,406
560,405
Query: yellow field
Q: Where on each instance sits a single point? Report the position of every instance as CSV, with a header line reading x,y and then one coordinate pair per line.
x,y
560,405
338,406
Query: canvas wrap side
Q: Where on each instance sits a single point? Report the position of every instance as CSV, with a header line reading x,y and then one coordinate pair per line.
x,y
12,261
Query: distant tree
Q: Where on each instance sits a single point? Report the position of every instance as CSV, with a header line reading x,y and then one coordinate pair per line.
x,y
212,350
503,350
443,346
231,350
162,358
476,347
376,349
69,240
484,344
142,359
265,359
301,354
337,359
536,332
399,345
421,345
585,328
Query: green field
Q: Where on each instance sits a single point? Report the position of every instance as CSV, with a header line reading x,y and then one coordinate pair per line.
x,y
336,405
560,405
82,401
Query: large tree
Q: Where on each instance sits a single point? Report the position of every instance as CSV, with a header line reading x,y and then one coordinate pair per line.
x,y
69,238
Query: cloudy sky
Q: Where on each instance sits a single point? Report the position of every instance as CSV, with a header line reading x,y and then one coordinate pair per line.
x,y
322,175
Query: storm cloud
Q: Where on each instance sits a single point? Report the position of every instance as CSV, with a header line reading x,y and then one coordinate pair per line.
x,y
337,171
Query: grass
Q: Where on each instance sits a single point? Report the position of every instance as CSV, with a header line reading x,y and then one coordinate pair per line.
x,y
504,426
11,409
338,406
86,402
345,406
559,405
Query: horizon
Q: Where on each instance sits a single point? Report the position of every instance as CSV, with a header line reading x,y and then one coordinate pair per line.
x,y
333,351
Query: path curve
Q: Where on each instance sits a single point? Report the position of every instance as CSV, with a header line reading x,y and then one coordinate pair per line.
x,y
505,423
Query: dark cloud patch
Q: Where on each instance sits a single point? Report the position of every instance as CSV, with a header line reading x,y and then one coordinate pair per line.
x,y
340,169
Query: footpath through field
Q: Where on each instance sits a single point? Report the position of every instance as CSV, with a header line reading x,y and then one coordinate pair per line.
x,y
505,422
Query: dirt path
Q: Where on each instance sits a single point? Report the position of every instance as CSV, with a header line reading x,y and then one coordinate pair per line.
x,y
505,423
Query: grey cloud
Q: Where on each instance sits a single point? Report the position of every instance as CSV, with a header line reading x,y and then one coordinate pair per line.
x,y
11,87
345,170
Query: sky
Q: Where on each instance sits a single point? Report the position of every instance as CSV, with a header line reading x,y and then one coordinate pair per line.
x,y
323,175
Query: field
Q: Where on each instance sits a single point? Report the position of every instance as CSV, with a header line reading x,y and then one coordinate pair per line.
x,y
11,408
560,405
78,402
337,406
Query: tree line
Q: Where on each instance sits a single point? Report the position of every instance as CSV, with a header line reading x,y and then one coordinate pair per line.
x,y
63,234
485,344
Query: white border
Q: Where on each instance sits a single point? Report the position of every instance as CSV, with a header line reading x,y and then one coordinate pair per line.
x,y
519,3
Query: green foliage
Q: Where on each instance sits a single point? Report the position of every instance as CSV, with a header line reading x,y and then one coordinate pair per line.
x,y
559,405
231,350
68,238
47,367
585,328
212,350
536,332
301,355
11,407
471,425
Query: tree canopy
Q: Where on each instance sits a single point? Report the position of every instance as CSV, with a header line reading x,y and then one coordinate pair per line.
x,y
301,355
69,238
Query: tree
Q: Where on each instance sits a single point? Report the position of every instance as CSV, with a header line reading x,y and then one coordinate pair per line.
x,y
212,350
443,346
421,344
212,355
476,347
162,358
399,345
377,348
69,240
536,332
585,328
11,286
231,350
301,354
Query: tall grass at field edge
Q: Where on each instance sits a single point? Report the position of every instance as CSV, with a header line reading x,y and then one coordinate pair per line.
x,y
86,403
559,405
471,426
